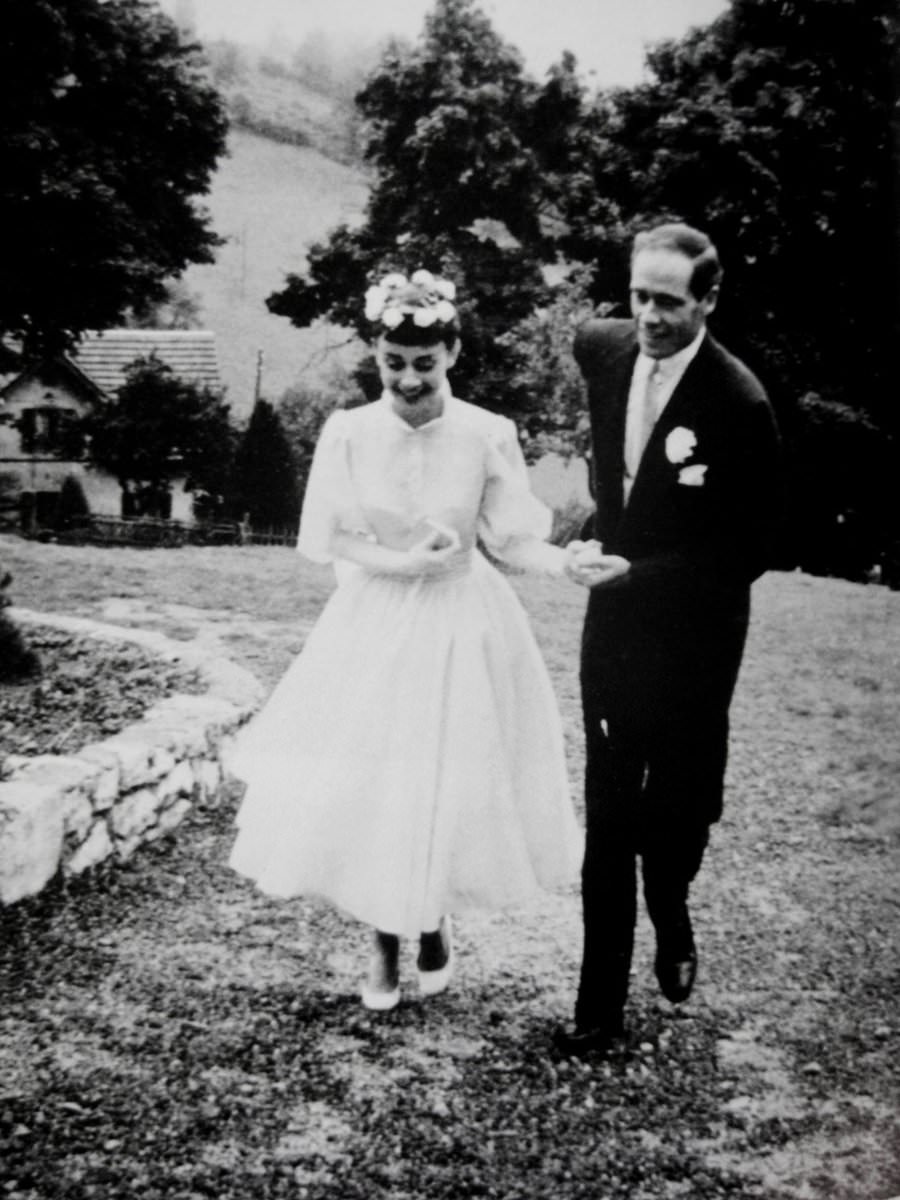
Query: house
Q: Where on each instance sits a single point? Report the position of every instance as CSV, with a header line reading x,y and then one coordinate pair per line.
x,y
41,407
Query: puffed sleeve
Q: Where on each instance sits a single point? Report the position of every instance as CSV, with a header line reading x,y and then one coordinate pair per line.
x,y
329,503
510,512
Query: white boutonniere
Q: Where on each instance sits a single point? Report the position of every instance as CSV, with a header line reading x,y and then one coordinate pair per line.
x,y
694,475
680,444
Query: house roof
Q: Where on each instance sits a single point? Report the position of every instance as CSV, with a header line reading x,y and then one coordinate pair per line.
x,y
104,356
48,371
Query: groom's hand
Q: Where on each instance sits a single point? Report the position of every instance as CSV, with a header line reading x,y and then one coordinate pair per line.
x,y
588,565
606,569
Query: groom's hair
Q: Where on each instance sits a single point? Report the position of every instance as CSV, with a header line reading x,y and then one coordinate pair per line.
x,y
693,244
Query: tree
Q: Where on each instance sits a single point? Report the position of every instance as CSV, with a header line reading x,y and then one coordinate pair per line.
x,y
774,129
263,484
447,126
72,508
545,373
841,481
175,308
109,132
158,429
458,150
304,409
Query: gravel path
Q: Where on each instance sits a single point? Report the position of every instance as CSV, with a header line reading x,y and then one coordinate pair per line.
x,y
165,1032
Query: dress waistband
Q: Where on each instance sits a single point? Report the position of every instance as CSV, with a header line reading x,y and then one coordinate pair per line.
x,y
456,566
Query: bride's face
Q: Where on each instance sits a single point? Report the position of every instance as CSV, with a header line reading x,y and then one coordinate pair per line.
x,y
415,377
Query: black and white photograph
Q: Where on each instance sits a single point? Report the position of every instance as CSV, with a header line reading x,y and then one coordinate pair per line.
x,y
449,600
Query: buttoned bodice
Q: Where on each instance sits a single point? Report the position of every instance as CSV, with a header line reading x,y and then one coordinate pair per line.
x,y
376,475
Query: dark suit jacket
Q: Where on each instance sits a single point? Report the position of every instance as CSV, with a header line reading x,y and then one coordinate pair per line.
x,y
662,645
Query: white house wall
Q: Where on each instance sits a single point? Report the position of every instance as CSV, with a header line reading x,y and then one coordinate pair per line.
x,y
42,472
22,472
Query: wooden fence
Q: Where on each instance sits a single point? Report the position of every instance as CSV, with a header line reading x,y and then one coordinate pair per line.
x,y
150,532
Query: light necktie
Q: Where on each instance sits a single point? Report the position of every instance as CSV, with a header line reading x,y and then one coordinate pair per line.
x,y
640,423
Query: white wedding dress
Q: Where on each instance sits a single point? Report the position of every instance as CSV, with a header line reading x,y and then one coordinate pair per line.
x,y
410,762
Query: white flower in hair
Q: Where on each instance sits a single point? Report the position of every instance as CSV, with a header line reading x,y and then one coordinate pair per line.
x,y
424,297
444,311
375,300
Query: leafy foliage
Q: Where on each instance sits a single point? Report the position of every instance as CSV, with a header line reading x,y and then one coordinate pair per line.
x,y
159,428
263,484
109,132
17,659
841,482
447,126
772,128
175,308
303,410
458,148
72,505
544,372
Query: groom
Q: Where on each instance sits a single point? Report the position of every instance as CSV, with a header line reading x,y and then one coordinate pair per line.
x,y
686,474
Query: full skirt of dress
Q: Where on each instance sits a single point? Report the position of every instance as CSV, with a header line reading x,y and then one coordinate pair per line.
x,y
411,760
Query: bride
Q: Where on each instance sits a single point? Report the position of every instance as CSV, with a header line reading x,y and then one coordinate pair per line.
x,y
410,762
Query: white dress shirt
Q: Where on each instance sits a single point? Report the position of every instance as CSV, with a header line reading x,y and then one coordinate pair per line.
x,y
667,374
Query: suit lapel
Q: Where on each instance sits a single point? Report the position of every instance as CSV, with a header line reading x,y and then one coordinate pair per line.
x,y
609,433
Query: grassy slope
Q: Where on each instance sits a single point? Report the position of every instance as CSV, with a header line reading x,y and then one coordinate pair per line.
x,y
230,1058
270,202
297,112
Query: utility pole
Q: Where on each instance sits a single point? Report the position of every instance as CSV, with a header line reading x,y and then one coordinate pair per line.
x,y
257,389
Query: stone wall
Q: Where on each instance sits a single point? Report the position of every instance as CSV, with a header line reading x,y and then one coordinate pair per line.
x,y
70,812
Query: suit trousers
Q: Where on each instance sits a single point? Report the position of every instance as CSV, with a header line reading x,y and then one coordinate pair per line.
x,y
647,794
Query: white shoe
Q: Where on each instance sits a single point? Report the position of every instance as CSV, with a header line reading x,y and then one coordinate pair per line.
x,y
379,1001
383,967
432,983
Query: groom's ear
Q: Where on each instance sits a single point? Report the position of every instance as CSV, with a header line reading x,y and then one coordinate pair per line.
x,y
711,299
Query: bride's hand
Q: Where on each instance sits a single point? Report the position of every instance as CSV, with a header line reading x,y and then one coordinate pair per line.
x,y
430,556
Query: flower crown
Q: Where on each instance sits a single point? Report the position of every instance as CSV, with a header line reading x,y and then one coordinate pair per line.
x,y
424,297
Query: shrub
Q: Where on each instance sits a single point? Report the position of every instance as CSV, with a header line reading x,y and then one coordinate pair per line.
x,y
17,660
569,522
72,507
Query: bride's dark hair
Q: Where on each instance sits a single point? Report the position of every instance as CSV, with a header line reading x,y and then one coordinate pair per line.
x,y
408,333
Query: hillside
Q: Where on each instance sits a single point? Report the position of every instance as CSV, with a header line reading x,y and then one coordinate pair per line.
x,y
300,94
270,201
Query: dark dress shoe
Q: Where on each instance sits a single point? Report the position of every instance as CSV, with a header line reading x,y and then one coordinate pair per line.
x,y
676,955
576,1042
676,976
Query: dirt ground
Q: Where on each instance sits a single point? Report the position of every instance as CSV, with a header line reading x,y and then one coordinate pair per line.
x,y
167,1032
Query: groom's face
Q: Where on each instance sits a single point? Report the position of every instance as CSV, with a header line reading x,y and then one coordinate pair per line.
x,y
668,316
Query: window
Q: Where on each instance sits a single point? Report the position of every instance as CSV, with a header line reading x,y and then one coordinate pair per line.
x,y
51,431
